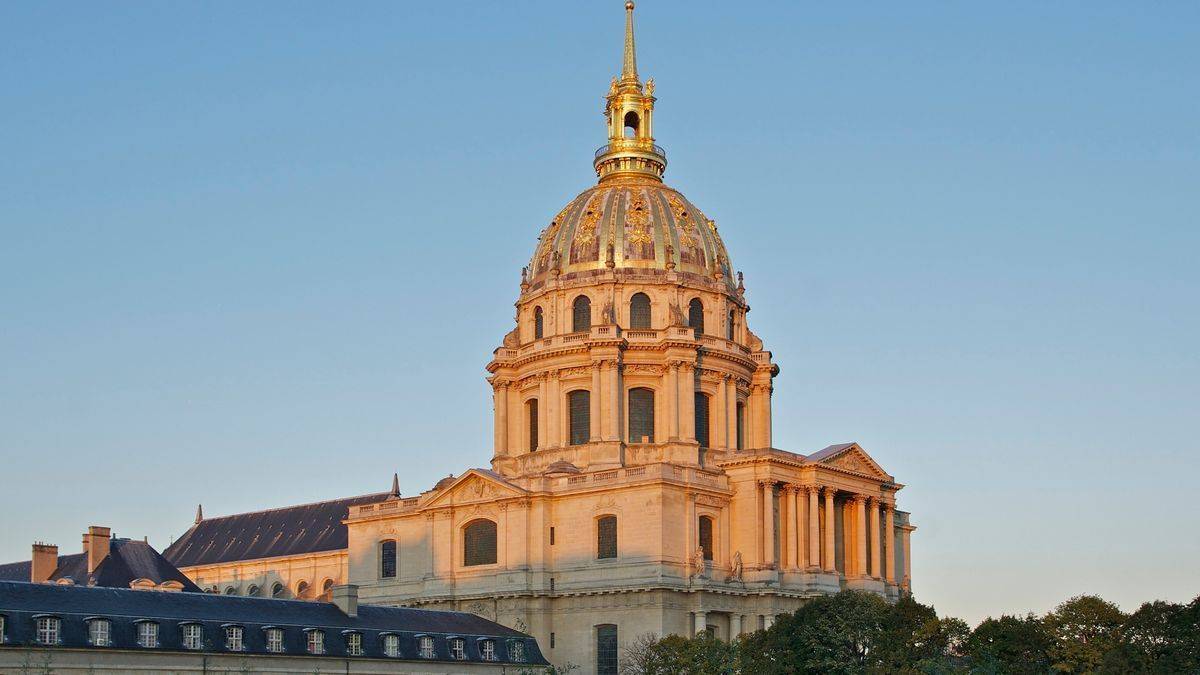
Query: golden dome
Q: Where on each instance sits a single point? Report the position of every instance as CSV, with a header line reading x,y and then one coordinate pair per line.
x,y
630,225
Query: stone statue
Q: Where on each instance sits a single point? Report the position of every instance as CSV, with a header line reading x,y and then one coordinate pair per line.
x,y
610,257
612,88
607,314
698,562
650,87
735,572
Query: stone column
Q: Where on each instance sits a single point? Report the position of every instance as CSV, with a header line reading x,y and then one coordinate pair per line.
x,y
768,621
860,535
907,583
735,625
687,401
501,406
716,412
730,411
701,622
830,535
790,557
543,414
768,524
612,393
876,571
594,398
672,391
889,535
552,410
814,528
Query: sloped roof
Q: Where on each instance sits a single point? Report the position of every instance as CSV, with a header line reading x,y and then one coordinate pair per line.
x,y
75,604
292,530
828,451
127,560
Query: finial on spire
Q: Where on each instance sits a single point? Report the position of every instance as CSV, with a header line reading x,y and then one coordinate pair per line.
x,y
199,513
629,67
396,485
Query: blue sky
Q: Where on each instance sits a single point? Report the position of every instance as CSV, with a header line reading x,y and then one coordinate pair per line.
x,y
258,254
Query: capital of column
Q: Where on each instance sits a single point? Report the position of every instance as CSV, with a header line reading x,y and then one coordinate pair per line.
x,y
874,502
767,483
827,490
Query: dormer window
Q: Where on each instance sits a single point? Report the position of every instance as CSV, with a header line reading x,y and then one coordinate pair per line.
x,y
354,644
49,630
275,640
316,641
487,650
193,636
2,626
516,652
234,638
391,645
458,649
425,647
147,634
99,632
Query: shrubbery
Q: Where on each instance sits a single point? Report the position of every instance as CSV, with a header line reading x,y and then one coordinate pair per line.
x,y
858,632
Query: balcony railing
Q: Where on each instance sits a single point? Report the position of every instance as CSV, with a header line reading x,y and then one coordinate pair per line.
x,y
630,145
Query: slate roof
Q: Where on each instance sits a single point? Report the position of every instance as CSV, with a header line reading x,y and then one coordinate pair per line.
x,y
20,603
827,452
292,530
127,560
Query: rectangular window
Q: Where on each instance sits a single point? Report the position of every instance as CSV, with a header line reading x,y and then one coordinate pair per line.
x,y
551,536
702,419
147,634
233,639
606,649
1,630
741,426
641,416
275,640
193,636
387,559
426,647
458,649
706,536
580,403
487,649
606,537
316,642
516,652
100,632
354,644
47,630
532,415
552,641
391,645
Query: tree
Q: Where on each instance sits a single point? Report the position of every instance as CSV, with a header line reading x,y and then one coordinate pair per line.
x,y
1083,630
914,640
1010,644
701,655
830,634
1160,637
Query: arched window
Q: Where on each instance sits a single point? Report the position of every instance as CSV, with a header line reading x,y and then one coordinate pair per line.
x,y
537,323
705,527
302,589
579,404
741,426
631,125
639,311
387,559
252,591
581,314
606,537
531,416
606,649
702,419
230,590
696,315
327,589
641,415
730,326
277,591
479,543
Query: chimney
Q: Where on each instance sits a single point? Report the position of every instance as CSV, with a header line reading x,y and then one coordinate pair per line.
x,y
345,597
95,545
45,561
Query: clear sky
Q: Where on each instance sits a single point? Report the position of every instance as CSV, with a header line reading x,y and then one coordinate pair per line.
x,y
257,254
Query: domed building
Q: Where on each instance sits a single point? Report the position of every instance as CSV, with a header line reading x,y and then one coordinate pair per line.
x,y
634,486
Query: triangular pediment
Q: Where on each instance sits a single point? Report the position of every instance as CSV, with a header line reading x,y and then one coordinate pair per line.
x,y
850,457
476,486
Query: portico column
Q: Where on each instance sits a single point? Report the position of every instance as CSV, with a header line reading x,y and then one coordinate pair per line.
x,y
543,412
830,537
814,528
701,622
730,412
552,410
907,584
594,398
687,401
720,437
612,393
501,406
889,535
873,505
790,557
768,621
672,387
735,625
860,520
768,524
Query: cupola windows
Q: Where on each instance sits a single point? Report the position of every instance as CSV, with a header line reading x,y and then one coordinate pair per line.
x,y
579,403
581,314
696,316
632,124
538,320
531,418
641,415
702,419
639,311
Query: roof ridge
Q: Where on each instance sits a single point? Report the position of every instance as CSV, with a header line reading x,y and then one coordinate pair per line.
x,y
293,506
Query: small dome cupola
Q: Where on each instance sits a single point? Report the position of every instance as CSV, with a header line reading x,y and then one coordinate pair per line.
x,y
629,111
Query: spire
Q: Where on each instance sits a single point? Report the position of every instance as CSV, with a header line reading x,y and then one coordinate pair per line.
x,y
199,513
629,66
396,485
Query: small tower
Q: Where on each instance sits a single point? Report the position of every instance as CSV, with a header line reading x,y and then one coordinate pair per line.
x,y
629,112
